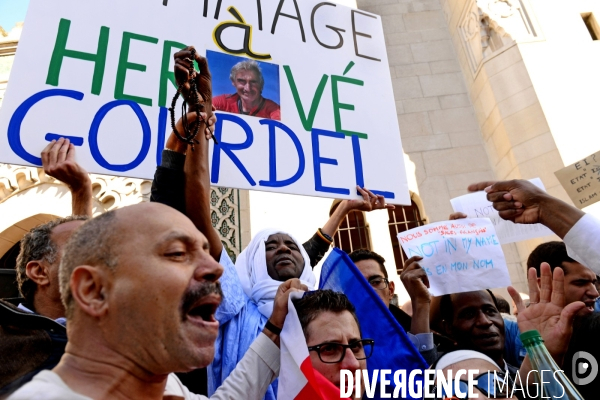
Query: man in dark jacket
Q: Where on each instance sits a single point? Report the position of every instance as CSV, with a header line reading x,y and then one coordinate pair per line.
x,y
32,328
29,343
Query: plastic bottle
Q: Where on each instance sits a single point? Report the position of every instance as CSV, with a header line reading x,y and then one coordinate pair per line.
x,y
551,381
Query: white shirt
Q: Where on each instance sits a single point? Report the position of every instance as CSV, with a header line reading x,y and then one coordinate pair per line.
x,y
249,380
61,320
47,385
583,242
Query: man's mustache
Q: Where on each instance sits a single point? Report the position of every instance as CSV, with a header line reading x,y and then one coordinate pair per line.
x,y
196,293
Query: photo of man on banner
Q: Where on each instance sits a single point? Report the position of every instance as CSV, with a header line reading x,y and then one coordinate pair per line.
x,y
256,84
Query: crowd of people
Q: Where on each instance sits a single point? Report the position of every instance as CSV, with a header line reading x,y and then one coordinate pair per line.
x,y
144,301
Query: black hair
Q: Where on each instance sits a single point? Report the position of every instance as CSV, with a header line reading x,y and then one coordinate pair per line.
x,y
37,244
447,309
365,254
314,303
553,253
503,305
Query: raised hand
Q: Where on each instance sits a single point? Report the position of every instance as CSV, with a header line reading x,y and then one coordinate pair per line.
x,y
369,202
203,78
415,281
280,304
177,145
547,312
58,160
519,201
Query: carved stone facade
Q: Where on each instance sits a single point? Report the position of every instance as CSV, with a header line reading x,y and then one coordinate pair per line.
x,y
488,26
110,193
29,197
8,47
225,217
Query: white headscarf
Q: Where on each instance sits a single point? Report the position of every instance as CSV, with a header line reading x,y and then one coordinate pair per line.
x,y
457,356
251,266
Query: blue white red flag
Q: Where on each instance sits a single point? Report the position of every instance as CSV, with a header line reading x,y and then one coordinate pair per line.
x,y
392,350
298,380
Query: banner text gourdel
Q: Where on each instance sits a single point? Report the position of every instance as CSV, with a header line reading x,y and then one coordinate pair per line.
x,y
98,57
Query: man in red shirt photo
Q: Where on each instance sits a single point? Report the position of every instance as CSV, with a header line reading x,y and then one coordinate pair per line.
x,y
247,78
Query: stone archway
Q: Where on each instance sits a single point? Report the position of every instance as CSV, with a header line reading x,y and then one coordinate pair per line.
x,y
9,249
10,236
28,197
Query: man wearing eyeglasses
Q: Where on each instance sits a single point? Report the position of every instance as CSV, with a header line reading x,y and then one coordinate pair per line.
x,y
333,334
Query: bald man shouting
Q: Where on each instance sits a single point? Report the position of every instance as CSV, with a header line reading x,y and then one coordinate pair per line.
x,y
140,290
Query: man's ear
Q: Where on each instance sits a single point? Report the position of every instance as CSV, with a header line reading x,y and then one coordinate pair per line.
x,y
446,327
88,287
392,287
38,272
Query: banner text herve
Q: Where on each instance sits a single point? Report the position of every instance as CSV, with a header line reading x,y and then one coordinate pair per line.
x,y
316,116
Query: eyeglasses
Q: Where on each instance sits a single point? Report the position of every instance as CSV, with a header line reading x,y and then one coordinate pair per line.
x,y
491,384
379,282
332,353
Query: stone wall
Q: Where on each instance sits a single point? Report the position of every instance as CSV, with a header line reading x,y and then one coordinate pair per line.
x,y
439,128
442,123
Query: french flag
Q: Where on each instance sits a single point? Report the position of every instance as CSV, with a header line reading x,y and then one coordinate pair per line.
x,y
297,378
393,349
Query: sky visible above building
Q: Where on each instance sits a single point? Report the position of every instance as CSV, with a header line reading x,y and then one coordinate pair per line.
x,y
11,12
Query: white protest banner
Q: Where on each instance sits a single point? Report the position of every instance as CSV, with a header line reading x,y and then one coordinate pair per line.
x,y
476,205
458,256
321,120
581,180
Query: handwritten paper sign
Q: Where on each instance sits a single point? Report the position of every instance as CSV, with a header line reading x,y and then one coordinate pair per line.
x,y
316,117
458,256
581,180
476,205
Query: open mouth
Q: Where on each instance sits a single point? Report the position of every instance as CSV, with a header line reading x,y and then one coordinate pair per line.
x,y
590,304
204,309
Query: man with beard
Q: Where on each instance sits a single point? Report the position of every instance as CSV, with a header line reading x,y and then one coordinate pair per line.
x,y
580,285
580,281
140,295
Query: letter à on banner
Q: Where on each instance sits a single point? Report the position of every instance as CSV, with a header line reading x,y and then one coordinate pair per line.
x,y
317,119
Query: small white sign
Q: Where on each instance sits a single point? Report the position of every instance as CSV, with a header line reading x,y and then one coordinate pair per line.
x,y
458,256
476,205
581,180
